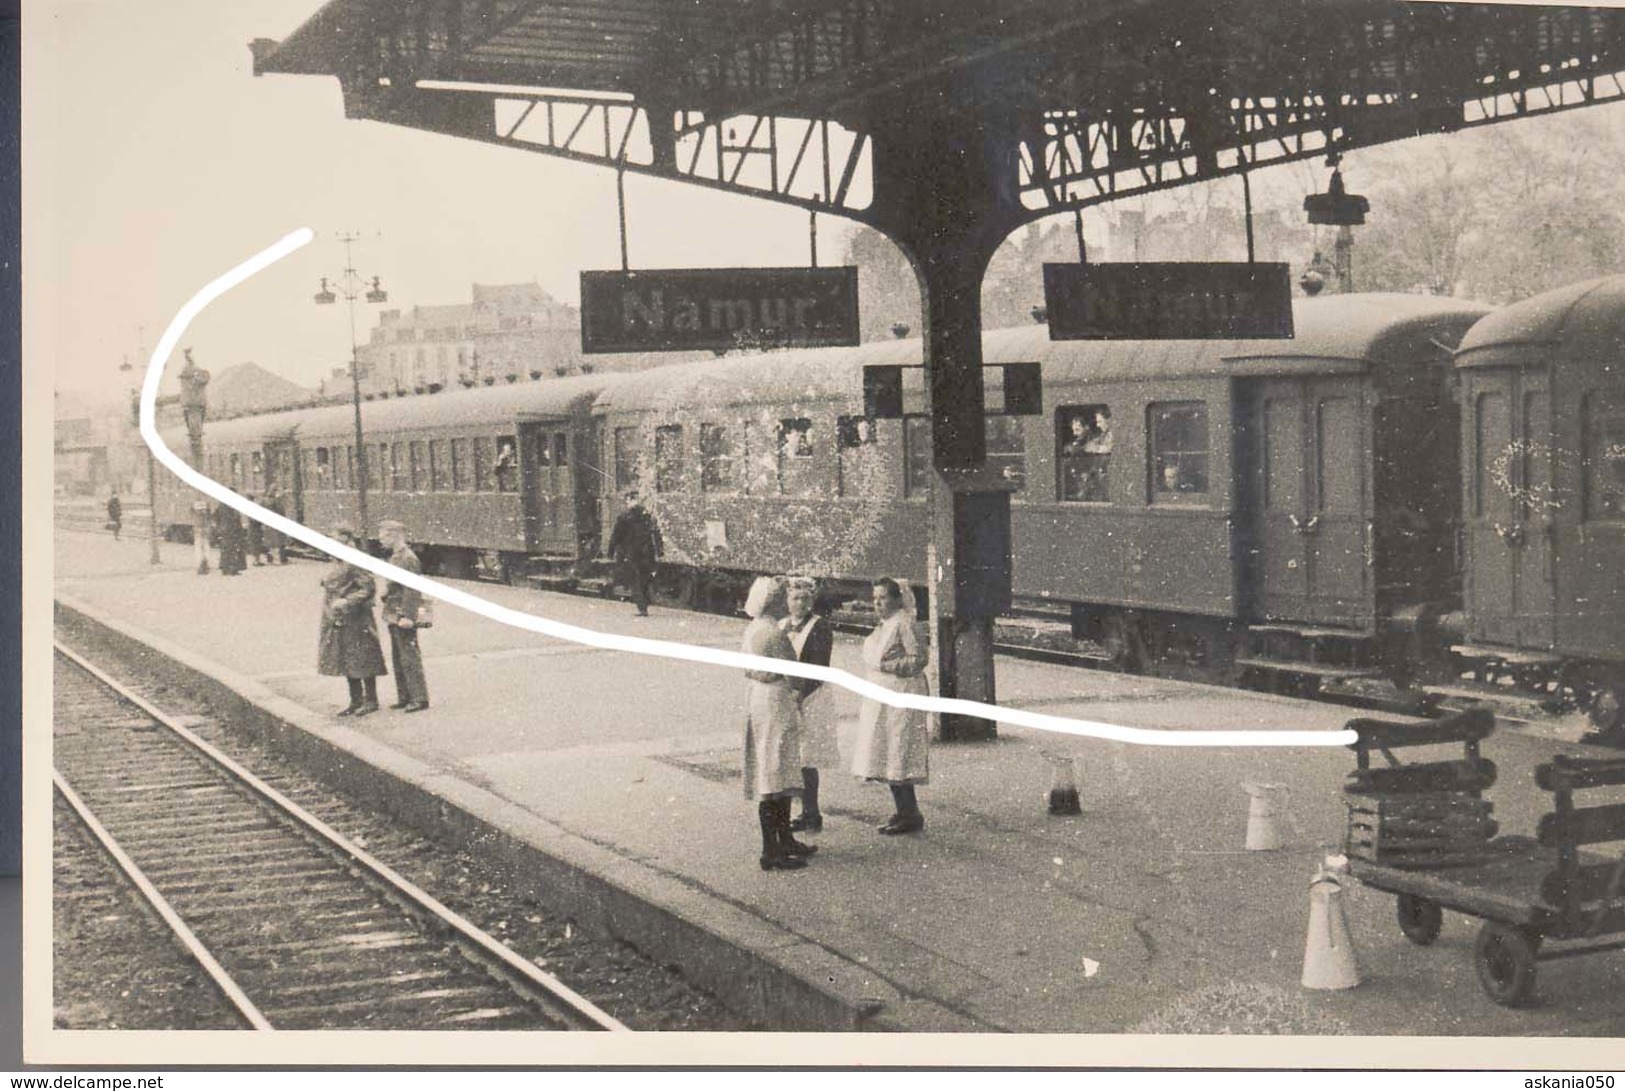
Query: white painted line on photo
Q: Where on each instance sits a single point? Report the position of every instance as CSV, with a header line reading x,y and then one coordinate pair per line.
x,y
611,641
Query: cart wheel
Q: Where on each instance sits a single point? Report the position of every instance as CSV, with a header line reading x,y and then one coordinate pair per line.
x,y
1505,958
1420,919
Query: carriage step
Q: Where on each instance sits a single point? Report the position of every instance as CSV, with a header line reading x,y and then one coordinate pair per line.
x,y
1510,656
1322,671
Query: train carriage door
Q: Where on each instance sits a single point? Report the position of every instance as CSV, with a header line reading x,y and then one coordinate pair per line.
x,y
282,468
588,480
1533,500
1279,570
1336,461
535,482
1490,511
1310,502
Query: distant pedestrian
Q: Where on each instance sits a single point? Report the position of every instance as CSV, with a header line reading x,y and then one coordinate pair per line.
x,y
813,639
115,514
402,609
348,645
892,744
228,536
634,546
275,541
772,749
256,538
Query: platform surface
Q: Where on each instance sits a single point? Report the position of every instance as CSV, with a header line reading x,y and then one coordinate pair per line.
x,y
1144,914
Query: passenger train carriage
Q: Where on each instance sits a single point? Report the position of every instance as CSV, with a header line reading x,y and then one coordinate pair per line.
x,y
1291,512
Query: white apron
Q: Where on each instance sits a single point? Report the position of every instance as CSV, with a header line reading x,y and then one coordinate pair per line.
x,y
892,744
819,744
772,744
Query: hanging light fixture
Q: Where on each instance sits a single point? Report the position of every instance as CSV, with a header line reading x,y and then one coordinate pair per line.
x,y
1336,207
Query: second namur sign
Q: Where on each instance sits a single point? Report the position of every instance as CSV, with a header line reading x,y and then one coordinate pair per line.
x,y
1170,300
675,310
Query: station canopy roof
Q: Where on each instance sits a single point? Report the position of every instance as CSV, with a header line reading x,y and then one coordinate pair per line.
x,y
1100,97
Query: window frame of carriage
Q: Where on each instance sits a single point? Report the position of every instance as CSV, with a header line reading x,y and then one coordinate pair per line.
x,y
1592,460
1062,417
1154,454
728,457
668,458
914,424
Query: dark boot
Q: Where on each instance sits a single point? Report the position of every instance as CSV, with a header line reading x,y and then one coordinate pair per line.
x,y
811,820
788,843
369,703
774,858
356,697
908,818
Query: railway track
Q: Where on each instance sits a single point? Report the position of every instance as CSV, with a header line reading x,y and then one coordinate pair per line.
x,y
296,926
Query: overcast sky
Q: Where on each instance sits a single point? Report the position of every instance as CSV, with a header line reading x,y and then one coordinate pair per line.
x,y
173,163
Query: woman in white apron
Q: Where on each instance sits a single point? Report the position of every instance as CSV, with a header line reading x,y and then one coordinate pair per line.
x,y
892,743
813,641
772,765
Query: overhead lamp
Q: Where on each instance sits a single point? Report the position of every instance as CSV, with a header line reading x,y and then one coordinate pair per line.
x,y
1336,207
377,294
326,294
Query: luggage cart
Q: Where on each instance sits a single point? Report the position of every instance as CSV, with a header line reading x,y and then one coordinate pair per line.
x,y
1540,898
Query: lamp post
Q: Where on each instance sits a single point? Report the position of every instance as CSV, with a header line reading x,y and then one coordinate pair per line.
x,y
152,462
353,287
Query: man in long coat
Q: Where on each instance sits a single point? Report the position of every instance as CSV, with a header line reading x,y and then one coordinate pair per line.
x,y
634,545
347,646
275,542
401,612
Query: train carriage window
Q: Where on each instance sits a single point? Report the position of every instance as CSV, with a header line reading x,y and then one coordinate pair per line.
x,y
439,466
857,457
1178,449
376,460
418,465
236,465
716,459
561,450
1492,473
1083,434
321,473
626,459
1007,449
256,467
544,451
350,477
795,448
1604,446
460,467
507,464
399,480
669,458
916,457
484,477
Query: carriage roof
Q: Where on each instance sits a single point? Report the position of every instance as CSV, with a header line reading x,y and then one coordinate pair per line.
x,y
1333,334
1578,321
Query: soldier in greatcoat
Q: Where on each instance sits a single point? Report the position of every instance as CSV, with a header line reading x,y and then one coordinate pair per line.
x,y
634,545
402,607
348,645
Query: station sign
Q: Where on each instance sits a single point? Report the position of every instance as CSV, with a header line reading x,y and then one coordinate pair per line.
x,y
678,310
1171,300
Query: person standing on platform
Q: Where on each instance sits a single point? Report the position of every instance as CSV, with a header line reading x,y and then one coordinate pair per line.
x,y
401,611
772,749
228,535
892,744
275,542
634,545
348,645
813,640
115,514
256,538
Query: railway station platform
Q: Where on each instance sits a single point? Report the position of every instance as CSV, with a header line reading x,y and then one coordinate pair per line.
x,y
610,783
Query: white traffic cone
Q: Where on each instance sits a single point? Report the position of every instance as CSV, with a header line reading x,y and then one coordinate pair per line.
x,y
1328,956
1265,802
1063,792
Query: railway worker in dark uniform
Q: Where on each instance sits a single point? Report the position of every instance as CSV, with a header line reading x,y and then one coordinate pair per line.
x,y
256,538
772,750
401,611
115,514
813,639
228,535
275,541
634,544
348,645
892,744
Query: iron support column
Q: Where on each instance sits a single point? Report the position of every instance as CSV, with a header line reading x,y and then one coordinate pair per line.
x,y
937,182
